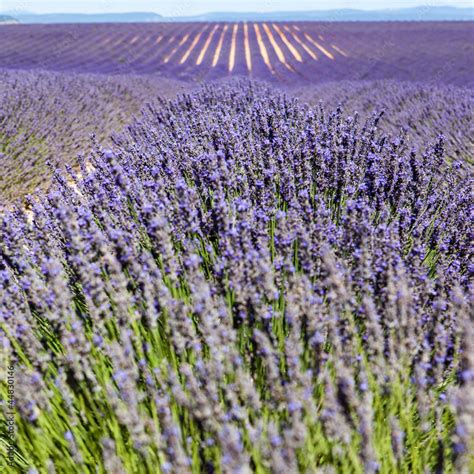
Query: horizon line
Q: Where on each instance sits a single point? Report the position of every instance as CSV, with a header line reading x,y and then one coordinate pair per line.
x,y
229,12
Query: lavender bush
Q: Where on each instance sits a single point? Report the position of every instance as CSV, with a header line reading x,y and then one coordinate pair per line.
x,y
242,284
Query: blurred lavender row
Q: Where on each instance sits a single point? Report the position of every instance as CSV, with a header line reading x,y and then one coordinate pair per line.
x,y
422,110
244,284
50,117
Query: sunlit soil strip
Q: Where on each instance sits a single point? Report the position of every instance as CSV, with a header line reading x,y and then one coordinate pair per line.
x,y
248,57
106,41
170,41
278,51
119,41
173,51
303,45
203,52
339,50
263,49
134,39
72,182
321,37
193,45
233,47
288,44
143,49
155,54
219,47
323,50
146,40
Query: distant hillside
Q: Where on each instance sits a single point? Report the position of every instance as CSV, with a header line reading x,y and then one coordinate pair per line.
x,y
423,13
407,14
7,20
138,17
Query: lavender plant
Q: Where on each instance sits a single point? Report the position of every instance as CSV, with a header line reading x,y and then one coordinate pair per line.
x,y
243,284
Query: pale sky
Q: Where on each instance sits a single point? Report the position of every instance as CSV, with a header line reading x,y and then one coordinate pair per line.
x,y
193,7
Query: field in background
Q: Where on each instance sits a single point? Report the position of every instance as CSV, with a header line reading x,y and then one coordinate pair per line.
x,y
277,52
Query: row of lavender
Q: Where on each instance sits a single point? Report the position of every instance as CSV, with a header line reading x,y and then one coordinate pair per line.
x,y
243,285
422,112
49,117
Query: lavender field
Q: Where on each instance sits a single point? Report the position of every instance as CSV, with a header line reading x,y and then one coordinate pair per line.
x,y
236,248
278,52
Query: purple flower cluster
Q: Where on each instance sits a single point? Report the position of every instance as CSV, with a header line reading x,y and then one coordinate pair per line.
x,y
244,284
